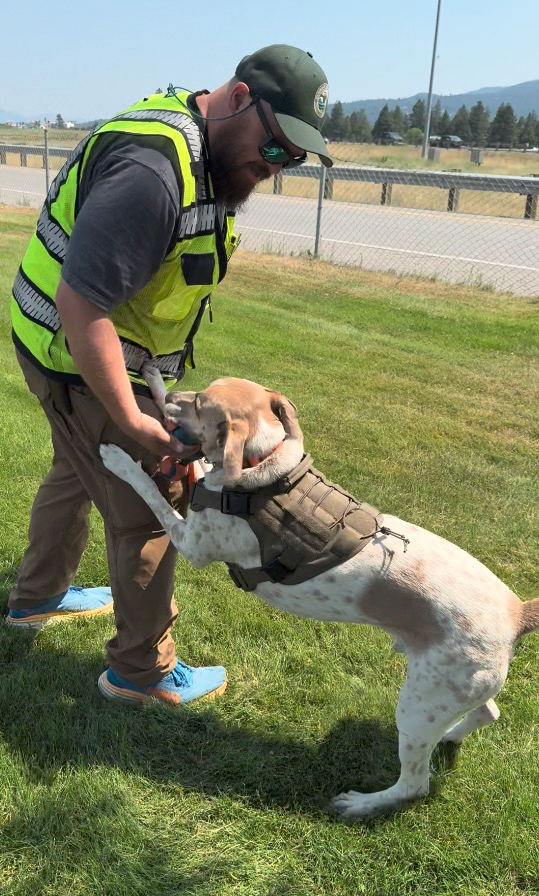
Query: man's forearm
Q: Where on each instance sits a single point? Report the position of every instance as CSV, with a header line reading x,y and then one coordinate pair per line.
x,y
97,352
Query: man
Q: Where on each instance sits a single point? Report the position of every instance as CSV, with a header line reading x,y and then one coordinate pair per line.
x,y
135,233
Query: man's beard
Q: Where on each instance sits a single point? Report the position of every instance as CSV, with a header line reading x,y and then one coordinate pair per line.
x,y
231,182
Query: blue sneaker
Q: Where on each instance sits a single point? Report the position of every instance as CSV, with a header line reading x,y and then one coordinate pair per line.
x,y
72,604
182,685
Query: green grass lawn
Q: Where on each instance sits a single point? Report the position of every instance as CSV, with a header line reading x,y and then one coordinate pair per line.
x,y
418,397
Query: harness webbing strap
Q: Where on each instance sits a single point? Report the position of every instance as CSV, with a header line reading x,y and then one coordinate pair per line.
x,y
229,502
304,524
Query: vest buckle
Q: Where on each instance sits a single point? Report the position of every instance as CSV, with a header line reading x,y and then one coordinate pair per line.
x,y
237,503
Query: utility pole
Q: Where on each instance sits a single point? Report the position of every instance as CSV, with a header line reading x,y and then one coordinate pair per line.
x,y
429,100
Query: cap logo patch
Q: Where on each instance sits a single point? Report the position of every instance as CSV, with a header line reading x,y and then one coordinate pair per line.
x,y
321,100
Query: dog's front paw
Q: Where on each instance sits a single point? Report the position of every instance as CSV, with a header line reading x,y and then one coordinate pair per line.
x,y
354,804
116,460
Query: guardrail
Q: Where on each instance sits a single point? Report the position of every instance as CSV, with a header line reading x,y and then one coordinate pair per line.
x,y
452,181
25,150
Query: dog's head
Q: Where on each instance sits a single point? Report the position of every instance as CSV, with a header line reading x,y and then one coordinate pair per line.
x,y
249,432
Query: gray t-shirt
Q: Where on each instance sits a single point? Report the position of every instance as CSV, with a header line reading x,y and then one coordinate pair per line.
x,y
128,214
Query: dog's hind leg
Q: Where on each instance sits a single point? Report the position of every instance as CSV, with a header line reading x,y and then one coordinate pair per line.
x,y
477,718
423,717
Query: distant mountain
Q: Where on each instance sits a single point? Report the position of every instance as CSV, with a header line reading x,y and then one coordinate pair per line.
x,y
524,98
11,116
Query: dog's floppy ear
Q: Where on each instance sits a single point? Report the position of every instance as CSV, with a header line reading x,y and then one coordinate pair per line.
x,y
286,412
236,436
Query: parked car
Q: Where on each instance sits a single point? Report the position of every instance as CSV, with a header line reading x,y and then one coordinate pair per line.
x,y
390,138
448,141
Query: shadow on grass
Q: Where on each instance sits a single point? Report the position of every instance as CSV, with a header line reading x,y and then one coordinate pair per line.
x,y
52,716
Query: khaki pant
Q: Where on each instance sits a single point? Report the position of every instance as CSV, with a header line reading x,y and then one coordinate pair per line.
x,y
141,558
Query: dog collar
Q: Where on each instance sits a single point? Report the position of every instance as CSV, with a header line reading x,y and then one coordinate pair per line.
x,y
253,460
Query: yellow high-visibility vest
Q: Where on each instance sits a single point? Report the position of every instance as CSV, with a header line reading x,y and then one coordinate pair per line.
x,y
158,323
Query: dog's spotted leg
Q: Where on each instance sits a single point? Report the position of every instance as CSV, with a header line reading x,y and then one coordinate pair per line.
x,y
422,721
477,718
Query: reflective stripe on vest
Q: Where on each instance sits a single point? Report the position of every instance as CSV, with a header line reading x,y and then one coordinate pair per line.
x,y
34,305
180,121
159,322
42,311
53,237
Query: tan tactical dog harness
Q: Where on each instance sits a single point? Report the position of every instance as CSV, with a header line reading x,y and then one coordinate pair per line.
x,y
304,524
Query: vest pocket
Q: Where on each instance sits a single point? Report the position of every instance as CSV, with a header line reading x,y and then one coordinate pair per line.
x,y
198,270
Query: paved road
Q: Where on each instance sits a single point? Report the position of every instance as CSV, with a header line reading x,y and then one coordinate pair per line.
x,y
22,186
475,249
498,252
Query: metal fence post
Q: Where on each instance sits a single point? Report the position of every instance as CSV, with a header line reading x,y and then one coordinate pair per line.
x,y
530,210
277,184
321,190
385,197
46,157
453,199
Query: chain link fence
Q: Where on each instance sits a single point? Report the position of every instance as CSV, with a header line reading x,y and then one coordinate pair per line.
x,y
461,226
29,161
452,217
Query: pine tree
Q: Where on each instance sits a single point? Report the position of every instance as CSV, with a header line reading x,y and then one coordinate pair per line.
x,y
417,118
360,129
59,121
460,125
336,122
382,123
445,124
397,119
528,129
435,117
479,123
503,127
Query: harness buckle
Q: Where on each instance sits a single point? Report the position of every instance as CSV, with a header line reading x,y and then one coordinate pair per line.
x,y
276,571
238,579
236,503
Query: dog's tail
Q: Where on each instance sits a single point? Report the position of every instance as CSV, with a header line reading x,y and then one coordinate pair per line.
x,y
530,617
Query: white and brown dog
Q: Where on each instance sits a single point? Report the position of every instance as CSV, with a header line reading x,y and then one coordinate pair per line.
x,y
455,620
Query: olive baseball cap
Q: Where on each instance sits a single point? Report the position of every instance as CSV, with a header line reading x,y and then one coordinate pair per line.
x,y
297,90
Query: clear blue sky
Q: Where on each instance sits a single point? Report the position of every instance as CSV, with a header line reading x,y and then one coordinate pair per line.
x,y
90,60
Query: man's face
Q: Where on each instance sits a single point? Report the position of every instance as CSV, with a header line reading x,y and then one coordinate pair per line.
x,y
236,164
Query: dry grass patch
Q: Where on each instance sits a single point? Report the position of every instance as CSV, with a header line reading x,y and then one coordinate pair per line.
x,y
495,162
359,282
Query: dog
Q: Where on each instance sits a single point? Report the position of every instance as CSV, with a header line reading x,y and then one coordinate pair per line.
x,y
455,620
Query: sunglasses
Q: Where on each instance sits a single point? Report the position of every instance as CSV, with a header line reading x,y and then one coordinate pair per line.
x,y
272,151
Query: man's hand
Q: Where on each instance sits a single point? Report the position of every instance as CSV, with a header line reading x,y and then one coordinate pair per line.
x,y
149,433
